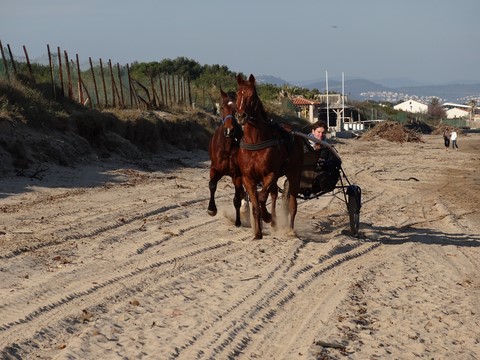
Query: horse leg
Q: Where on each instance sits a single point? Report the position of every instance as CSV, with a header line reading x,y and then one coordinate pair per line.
x,y
274,196
212,185
292,209
252,194
267,188
262,199
292,200
237,199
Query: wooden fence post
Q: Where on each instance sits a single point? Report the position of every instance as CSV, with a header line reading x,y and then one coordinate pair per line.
x,y
175,88
148,101
28,64
104,84
88,99
69,76
189,93
113,82
169,90
184,81
156,102
179,92
94,81
51,72
4,59
60,71
130,86
80,89
122,102
12,59
161,90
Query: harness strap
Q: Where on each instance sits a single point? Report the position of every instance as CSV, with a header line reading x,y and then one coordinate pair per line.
x,y
260,145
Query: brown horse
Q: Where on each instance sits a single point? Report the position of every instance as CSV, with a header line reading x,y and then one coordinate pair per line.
x,y
223,150
267,151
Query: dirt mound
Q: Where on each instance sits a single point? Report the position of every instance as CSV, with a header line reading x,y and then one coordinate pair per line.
x,y
419,127
391,131
439,130
36,130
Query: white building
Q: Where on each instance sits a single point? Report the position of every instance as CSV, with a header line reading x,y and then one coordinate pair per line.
x,y
457,113
412,106
457,110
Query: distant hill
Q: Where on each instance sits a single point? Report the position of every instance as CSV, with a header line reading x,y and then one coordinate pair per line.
x,y
397,82
459,93
353,88
361,89
268,79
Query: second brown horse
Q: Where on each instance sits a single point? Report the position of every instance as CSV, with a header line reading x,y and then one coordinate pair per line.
x,y
223,150
267,152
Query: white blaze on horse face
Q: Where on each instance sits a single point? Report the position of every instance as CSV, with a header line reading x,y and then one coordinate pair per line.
x,y
241,103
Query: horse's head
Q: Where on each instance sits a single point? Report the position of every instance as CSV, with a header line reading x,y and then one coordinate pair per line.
x,y
228,113
248,102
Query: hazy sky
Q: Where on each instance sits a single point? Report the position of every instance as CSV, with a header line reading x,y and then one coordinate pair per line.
x,y
432,41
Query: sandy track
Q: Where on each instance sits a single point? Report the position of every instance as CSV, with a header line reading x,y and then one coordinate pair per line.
x,y
116,261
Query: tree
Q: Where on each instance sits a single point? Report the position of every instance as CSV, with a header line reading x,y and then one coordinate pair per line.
x,y
216,76
435,110
180,66
473,105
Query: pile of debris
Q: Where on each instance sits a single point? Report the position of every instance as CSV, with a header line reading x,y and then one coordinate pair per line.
x,y
419,127
391,131
439,130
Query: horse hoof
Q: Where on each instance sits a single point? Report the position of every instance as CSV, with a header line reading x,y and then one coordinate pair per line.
x,y
212,212
238,224
267,218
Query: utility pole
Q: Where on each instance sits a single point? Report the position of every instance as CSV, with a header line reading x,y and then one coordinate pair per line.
x,y
328,111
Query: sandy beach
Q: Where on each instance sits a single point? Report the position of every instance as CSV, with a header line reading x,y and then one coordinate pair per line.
x,y
120,260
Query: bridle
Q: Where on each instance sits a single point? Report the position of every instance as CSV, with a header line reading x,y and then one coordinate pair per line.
x,y
245,116
229,117
227,132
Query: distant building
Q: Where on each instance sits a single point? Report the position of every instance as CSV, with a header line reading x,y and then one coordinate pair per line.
x,y
457,113
457,110
412,106
307,109
335,114
449,105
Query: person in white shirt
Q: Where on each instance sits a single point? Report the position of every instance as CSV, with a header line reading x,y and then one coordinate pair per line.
x,y
453,139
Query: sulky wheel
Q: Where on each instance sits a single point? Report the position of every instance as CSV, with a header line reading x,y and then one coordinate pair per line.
x,y
354,203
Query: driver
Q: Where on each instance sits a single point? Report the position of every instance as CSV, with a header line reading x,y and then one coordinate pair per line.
x,y
318,131
327,168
